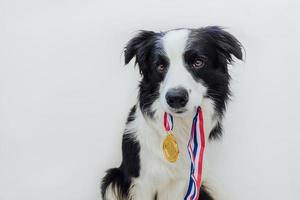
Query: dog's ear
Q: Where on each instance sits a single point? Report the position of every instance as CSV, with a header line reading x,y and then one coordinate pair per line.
x,y
227,45
139,47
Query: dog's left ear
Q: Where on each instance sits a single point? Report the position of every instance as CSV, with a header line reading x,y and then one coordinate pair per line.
x,y
139,47
227,45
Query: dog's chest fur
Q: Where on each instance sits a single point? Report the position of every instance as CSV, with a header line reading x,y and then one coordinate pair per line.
x,y
157,175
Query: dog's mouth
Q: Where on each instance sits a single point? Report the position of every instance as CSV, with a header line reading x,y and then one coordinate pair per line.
x,y
180,111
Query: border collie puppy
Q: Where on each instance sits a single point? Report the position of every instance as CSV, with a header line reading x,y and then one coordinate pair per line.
x,y
181,70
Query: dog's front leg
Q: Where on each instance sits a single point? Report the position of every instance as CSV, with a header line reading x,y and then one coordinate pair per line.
x,y
174,190
143,189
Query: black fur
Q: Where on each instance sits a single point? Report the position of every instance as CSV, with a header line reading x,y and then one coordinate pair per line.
x,y
120,178
131,115
204,194
216,132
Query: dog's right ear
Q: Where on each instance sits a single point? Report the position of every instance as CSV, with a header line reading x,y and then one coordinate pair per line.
x,y
139,47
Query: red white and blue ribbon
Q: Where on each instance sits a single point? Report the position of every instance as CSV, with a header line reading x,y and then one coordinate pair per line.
x,y
168,122
196,151
195,148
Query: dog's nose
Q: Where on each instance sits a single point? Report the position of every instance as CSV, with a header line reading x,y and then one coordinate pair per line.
x,y
177,97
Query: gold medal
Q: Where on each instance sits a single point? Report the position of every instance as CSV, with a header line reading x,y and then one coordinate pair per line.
x,y
170,148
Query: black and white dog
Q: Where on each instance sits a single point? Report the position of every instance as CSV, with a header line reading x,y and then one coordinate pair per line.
x,y
181,69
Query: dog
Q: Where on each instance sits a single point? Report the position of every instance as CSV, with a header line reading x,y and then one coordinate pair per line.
x,y
180,69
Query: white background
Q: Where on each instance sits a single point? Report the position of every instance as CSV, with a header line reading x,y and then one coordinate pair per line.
x,y
65,94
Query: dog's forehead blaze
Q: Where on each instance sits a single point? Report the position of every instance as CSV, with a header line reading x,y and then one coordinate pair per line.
x,y
174,43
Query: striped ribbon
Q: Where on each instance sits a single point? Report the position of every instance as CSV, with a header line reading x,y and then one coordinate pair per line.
x,y
196,151
195,148
168,122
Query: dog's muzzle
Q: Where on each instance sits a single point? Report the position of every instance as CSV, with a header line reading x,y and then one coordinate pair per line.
x,y
177,98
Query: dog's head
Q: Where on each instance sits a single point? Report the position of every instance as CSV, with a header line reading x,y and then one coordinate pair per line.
x,y
182,67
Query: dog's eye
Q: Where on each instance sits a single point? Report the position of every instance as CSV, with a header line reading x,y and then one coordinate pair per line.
x,y
161,68
198,63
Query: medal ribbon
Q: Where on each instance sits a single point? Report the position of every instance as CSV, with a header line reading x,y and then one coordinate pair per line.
x,y
195,148
196,151
168,122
